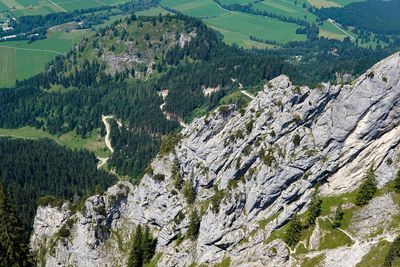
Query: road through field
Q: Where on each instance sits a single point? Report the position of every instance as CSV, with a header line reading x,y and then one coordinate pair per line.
x,y
337,26
32,49
57,6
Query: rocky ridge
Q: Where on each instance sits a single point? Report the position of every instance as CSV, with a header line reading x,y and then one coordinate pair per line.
x,y
266,159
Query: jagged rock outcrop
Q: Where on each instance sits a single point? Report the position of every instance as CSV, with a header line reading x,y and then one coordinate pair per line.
x,y
265,159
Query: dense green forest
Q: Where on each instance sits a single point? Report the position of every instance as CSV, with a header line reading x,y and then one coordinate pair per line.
x,y
380,17
14,249
85,90
32,169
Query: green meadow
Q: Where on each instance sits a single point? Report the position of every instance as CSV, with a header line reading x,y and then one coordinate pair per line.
x,y
93,143
198,8
40,7
20,59
238,27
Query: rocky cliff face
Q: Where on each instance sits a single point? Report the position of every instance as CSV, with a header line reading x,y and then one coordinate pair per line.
x,y
264,163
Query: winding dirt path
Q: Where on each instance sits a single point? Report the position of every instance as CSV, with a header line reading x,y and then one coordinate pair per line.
x,y
103,161
108,131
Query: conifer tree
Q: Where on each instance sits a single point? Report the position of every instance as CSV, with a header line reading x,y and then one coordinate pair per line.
x,y
189,191
338,217
143,247
314,209
293,233
14,250
368,188
135,256
194,225
148,245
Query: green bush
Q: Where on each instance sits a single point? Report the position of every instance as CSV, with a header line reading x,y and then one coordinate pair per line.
x,y
159,177
296,140
249,126
64,232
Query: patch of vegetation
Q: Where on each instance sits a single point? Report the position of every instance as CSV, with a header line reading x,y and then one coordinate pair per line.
x,y
314,209
368,188
332,238
189,191
376,255
143,247
313,262
296,140
338,217
216,199
393,256
169,143
293,231
159,177
226,262
51,201
154,261
396,185
194,225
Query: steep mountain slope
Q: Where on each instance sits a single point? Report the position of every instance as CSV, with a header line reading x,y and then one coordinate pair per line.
x,y
247,172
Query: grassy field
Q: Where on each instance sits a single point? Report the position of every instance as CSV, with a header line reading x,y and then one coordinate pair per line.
x,y
40,7
71,140
240,2
287,9
7,66
22,60
82,4
237,27
323,3
153,12
198,9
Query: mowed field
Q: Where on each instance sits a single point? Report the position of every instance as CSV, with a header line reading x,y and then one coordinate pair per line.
x,y
19,59
237,27
198,8
19,8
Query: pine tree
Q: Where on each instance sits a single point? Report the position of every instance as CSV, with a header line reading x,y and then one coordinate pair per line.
x,y
293,233
194,225
338,217
397,182
189,191
143,247
148,245
135,256
314,209
14,250
368,188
